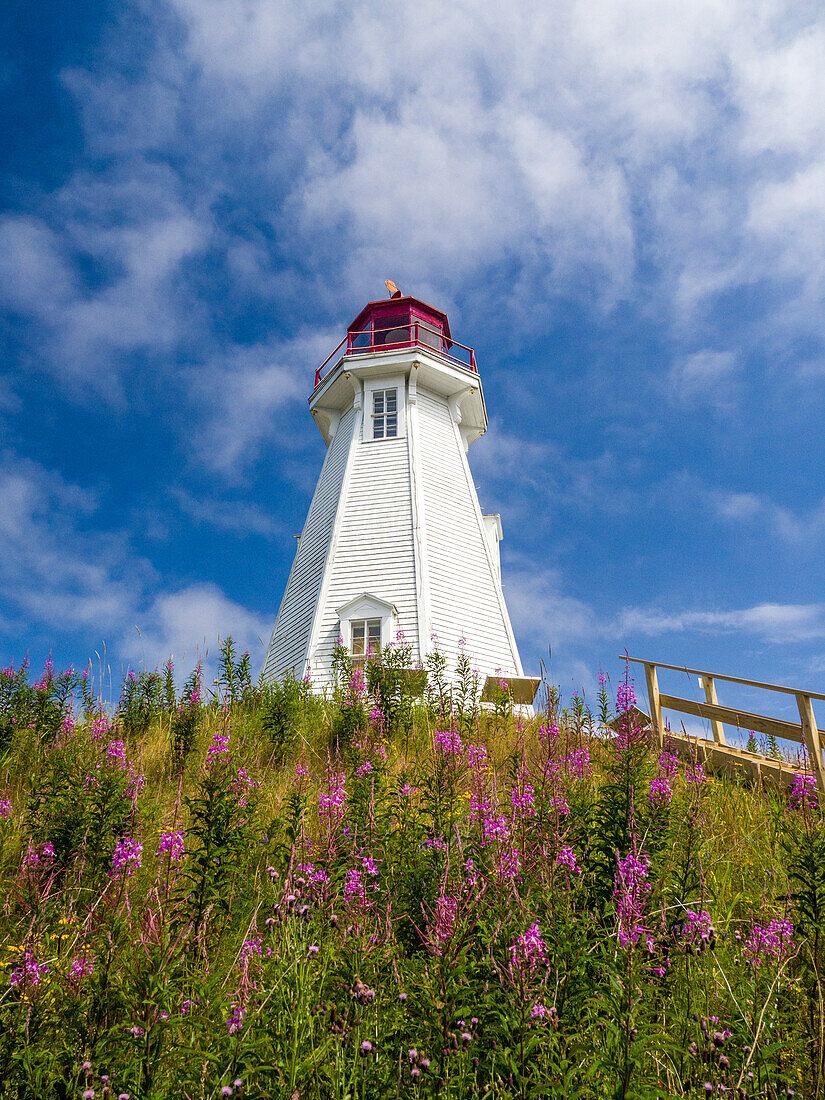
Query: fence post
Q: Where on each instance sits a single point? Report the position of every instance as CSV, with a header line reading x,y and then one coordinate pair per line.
x,y
655,705
709,684
810,737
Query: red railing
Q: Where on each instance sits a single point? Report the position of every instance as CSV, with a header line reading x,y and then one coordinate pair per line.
x,y
416,334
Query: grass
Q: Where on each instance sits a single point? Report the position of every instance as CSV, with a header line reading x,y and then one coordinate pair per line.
x,y
373,895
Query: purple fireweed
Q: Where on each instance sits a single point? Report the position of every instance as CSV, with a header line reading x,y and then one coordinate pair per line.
x,y
668,764
172,845
364,769
774,942
301,772
354,887
441,926
448,741
630,891
660,792
82,967
243,786
127,858
116,754
508,864
578,763
625,698
218,751
523,801
567,859
5,807
332,802
803,792
477,756
695,773
31,971
528,953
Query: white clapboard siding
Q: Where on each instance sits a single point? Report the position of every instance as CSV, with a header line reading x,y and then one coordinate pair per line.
x,y
464,592
290,637
373,550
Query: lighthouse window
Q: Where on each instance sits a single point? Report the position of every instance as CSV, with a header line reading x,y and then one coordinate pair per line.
x,y
384,414
366,639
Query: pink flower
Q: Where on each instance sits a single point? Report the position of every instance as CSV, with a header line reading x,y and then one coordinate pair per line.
x,y
695,773
127,858
660,792
172,845
364,769
218,750
82,966
448,741
5,807
567,858
773,942
625,698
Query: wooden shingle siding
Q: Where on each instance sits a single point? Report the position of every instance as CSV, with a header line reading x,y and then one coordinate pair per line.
x,y
290,637
464,593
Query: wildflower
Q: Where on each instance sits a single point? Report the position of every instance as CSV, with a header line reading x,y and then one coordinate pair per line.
x,y
523,801
660,792
442,922
366,1048
364,769
448,741
631,890
301,772
369,865
578,763
116,753
377,716
127,857
354,886
538,1011
5,807
172,845
508,864
218,750
772,942
31,972
82,966
803,793
567,858
332,802
695,773
527,953
313,950
668,763
625,698
477,756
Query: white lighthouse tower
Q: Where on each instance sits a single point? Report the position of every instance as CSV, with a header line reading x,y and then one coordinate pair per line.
x,y
395,539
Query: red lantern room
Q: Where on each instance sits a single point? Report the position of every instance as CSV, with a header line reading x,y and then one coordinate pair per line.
x,y
401,322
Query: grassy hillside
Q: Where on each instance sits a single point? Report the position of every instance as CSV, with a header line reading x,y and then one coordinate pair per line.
x,y
390,895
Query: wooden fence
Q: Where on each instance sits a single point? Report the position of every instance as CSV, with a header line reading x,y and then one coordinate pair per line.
x,y
804,732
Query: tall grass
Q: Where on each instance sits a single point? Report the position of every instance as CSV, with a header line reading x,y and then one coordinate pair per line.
x,y
382,894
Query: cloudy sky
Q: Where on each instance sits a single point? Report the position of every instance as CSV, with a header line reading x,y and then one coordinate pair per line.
x,y
620,204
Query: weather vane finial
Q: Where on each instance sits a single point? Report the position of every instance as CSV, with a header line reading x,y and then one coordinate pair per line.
x,y
392,289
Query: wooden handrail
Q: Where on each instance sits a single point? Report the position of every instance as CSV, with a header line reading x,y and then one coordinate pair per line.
x,y
729,679
805,732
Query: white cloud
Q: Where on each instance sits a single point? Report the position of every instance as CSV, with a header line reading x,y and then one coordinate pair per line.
x,y
64,579
189,625
771,622
238,516
705,377
801,529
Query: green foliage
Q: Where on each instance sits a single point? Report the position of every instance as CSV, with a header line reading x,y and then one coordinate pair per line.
x,y
234,678
402,919
282,706
141,701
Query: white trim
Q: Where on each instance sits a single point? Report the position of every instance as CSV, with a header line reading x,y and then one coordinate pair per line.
x,y
419,522
367,606
395,382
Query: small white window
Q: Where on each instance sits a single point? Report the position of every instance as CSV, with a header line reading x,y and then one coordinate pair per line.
x,y
366,640
384,414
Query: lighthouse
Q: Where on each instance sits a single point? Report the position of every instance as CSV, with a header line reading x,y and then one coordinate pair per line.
x,y
395,542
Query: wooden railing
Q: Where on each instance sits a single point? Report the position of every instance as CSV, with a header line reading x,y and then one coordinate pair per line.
x,y
804,732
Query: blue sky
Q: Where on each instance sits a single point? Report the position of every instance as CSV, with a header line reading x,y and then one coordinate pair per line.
x,y
620,205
